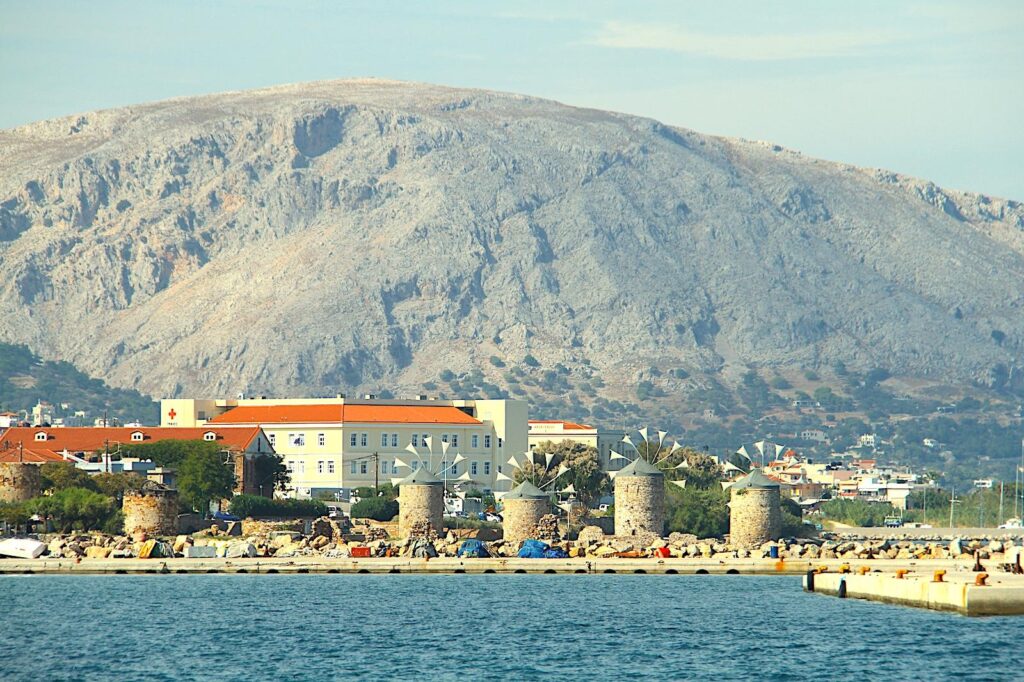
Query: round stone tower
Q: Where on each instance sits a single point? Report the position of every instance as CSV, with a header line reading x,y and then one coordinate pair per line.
x,y
639,499
755,514
420,501
152,511
19,481
523,507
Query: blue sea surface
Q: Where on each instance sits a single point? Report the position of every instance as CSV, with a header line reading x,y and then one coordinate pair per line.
x,y
480,627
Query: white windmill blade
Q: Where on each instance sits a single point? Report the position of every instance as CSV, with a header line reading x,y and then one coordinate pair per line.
x,y
513,462
565,506
627,439
464,477
779,449
643,432
742,452
444,447
569,489
548,456
498,494
760,446
501,477
614,455
396,481
729,466
726,485
429,442
661,436
412,448
675,446
681,484
561,470
458,458
400,463
683,465
459,494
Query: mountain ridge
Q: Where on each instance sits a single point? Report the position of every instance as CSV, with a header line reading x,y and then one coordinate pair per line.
x,y
347,235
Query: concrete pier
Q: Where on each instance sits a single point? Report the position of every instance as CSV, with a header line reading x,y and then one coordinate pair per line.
x,y
1003,595
316,564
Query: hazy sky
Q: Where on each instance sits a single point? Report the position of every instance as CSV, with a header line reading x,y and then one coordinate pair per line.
x,y
933,89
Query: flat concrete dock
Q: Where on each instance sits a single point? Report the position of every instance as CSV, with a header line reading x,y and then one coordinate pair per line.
x,y
1003,595
271,565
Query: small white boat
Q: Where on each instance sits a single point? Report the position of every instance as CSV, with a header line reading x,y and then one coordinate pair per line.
x,y
22,548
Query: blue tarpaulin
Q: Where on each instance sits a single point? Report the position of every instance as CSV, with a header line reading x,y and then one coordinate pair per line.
x,y
533,549
555,553
473,548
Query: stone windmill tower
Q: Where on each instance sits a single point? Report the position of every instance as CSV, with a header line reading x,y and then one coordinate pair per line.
x,y
528,502
421,493
640,486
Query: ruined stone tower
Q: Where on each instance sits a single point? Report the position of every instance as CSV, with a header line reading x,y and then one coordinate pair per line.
x,y
152,511
639,499
523,508
755,514
420,501
19,481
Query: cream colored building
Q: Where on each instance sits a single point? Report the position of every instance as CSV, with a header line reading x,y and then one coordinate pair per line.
x,y
558,430
336,444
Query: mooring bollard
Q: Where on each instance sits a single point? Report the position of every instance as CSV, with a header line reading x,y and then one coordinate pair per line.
x,y
979,579
863,570
900,573
810,580
937,577
842,589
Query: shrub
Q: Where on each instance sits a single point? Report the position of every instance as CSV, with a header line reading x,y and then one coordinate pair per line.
x,y
257,506
813,376
376,508
447,375
779,383
74,509
531,361
496,361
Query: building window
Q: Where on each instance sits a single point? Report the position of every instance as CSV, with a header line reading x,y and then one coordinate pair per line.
x,y
384,466
455,469
137,436
208,436
383,440
415,440
444,437
362,467
291,465
394,467
455,440
363,439
487,468
394,440
353,465
297,440
425,437
475,441
415,465
352,440
501,443
487,440
320,466
272,437
330,466
302,467
321,439
472,468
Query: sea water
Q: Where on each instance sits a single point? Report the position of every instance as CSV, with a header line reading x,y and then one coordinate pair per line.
x,y
480,627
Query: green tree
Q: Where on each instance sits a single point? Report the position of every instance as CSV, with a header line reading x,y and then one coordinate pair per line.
x,y
74,509
203,477
271,474
702,512
584,469
57,476
377,508
116,485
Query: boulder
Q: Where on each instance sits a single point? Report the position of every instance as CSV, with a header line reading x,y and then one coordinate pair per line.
x,y
200,552
95,552
238,550
590,534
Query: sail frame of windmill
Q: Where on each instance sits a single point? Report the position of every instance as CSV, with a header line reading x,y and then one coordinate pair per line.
x,y
654,461
440,470
535,474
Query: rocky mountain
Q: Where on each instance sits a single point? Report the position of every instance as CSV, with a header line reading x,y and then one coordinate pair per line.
x,y
365,234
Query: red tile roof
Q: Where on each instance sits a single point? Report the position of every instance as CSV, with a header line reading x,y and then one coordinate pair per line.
x,y
21,440
354,414
568,426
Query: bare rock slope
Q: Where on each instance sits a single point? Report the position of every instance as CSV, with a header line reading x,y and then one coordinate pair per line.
x,y
329,236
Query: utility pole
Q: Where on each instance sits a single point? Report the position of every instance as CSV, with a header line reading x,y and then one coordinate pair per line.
x,y
952,504
1000,518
